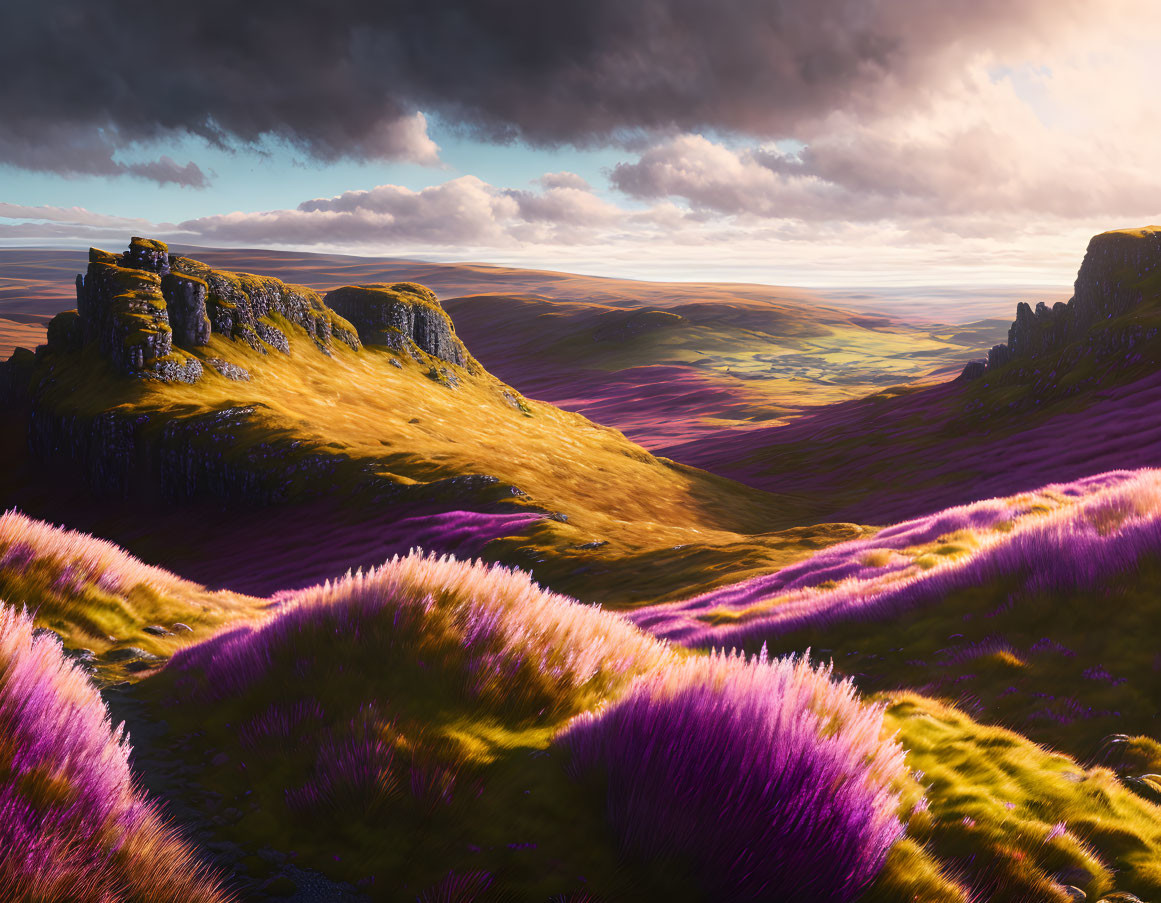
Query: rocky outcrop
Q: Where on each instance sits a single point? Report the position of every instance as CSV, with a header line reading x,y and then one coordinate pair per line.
x,y
1111,283
974,370
185,299
146,310
155,316
238,304
398,316
147,254
123,311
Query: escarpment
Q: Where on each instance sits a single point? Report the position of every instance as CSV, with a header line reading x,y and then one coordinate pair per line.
x,y
1108,317
150,313
153,325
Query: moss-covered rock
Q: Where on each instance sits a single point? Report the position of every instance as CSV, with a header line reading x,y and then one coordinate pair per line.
x,y
147,254
383,313
236,302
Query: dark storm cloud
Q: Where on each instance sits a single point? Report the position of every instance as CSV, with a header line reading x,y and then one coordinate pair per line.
x,y
83,149
347,79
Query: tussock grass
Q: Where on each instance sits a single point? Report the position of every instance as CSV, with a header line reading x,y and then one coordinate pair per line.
x,y
1060,537
1000,818
400,718
398,725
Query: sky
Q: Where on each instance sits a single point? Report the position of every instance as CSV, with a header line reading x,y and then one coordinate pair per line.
x,y
797,142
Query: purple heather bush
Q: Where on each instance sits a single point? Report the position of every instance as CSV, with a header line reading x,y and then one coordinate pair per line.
x,y
83,558
1071,536
73,826
359,671
767,780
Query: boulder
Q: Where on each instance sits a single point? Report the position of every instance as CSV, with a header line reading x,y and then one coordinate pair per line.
x,y
147,254
974,370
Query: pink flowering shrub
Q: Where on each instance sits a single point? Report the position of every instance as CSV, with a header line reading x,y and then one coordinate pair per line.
x,y
73,826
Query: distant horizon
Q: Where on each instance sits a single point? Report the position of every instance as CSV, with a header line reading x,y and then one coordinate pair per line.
x,y
715,278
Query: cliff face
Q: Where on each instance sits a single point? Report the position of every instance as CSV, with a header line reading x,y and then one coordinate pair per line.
x,y
1118,275
241,305
146,310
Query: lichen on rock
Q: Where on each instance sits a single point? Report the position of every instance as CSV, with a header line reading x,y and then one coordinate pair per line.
x,y
236,302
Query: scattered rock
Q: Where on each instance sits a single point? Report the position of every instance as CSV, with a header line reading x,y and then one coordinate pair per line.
x,y
444,377
156,630
228,370
182,628
273,336
129,653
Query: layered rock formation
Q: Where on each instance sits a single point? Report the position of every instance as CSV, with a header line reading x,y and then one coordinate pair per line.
x,y
1120,270
244,306
147,310
398,315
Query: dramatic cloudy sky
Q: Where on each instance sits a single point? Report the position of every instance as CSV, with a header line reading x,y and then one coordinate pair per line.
x,y
814,142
